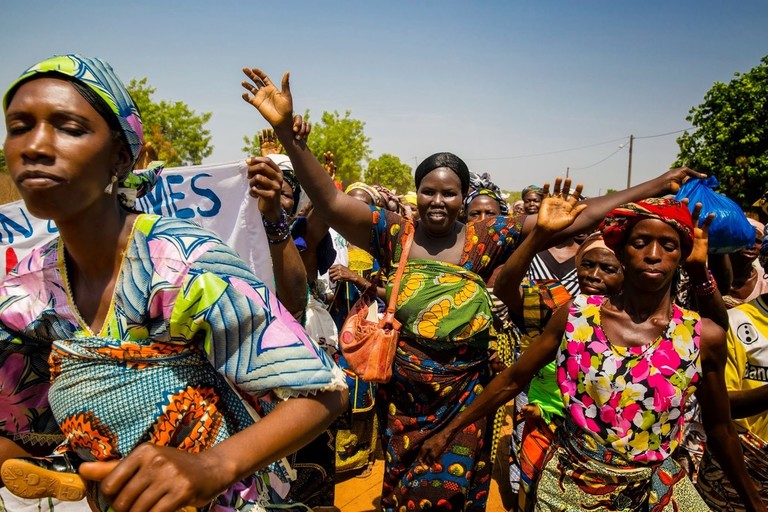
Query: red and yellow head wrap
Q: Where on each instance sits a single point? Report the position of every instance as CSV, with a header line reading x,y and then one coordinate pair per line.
x,y
619,221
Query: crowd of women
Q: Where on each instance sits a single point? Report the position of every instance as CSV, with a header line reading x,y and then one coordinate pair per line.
x,y
144,366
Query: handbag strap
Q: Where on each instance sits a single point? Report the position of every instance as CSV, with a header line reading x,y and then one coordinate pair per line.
x,y
392,305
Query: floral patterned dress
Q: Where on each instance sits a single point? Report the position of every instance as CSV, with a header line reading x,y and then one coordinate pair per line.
x,y
624,416
440,366
191,344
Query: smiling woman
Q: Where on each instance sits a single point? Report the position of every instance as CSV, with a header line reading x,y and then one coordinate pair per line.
x,y
147,307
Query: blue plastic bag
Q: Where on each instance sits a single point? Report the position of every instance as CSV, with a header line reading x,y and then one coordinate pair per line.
x,y
730,230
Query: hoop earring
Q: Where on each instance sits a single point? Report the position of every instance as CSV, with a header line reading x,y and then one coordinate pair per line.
x,y
108,189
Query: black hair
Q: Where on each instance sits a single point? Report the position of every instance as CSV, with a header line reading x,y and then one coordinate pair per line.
x,y
444,159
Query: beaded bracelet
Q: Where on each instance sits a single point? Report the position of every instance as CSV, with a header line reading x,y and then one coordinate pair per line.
x,y
706,288
277,232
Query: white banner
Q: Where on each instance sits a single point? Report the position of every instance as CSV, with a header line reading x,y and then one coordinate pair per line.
x,y
213,196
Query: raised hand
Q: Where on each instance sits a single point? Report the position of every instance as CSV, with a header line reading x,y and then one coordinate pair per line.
x,y
265,182
301,128
328,164
559,209
698,254
674,178
276,106
268,143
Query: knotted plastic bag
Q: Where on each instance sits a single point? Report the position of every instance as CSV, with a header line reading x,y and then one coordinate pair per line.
x,y
730,230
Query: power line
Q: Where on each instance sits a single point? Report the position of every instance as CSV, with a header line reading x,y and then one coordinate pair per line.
x,y
599,161
549,152
555,152
665,134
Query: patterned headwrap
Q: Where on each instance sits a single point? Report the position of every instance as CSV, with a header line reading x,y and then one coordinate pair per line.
x,y
285,165
100,79
593,241
763,258
98,76
532,188
375,195
482,181
503,208
762,203
619,221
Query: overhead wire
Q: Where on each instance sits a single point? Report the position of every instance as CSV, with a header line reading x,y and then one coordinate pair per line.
x,y
599,161
550,152
555,152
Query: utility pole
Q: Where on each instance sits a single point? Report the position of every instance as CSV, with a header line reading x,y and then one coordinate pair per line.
x,y
629,166
567,172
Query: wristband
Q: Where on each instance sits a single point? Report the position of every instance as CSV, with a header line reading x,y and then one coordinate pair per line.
x,y
706,288
277,232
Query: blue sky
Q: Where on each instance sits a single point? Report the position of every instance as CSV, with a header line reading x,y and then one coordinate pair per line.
x,y
490,81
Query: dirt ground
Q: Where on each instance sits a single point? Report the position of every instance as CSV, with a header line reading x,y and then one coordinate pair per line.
x,y
358,494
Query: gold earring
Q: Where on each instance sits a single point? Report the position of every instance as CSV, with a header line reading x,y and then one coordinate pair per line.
x,y
111,186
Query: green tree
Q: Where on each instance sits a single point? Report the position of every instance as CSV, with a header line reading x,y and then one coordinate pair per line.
x,y
342,136
731,137
3,164
345,138
389,171
176,131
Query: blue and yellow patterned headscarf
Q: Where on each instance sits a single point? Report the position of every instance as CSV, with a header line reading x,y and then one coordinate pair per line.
x,y
503,207
99,77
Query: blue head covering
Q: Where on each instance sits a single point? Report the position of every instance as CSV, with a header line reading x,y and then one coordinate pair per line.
x,y
99,77
503,208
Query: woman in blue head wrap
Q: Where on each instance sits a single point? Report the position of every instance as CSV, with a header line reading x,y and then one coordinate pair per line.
x,y
139,342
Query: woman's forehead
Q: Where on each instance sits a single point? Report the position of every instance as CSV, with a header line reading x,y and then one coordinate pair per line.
x,y
441,177
655,227
483,200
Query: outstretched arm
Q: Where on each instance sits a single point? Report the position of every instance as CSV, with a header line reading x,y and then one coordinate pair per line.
x,y
667,183
504,387
556,213
716,414
346,215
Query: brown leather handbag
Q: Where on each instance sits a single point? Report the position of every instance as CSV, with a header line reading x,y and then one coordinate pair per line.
x,y
367,343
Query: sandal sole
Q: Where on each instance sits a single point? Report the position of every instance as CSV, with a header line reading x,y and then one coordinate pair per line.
x,y
27,480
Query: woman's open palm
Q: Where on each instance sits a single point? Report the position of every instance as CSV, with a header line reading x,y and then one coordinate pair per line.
x,y
559,210
275,105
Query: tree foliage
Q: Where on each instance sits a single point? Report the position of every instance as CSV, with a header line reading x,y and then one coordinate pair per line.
x,y
731,136
176,131
3,164
345,138
389,171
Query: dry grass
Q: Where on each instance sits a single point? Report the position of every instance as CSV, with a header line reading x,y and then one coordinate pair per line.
x,y
8,192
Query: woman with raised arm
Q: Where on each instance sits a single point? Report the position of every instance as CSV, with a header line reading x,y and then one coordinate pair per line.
x,y
440,364
626,366
136,341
